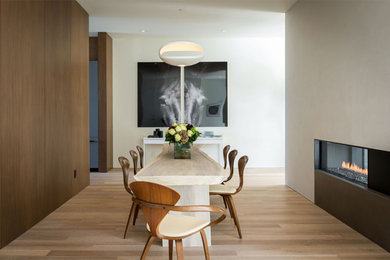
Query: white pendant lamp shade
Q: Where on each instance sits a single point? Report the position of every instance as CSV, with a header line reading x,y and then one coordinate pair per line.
x,y
181,53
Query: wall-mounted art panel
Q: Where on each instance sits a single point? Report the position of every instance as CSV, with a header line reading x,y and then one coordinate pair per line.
x,y
205,87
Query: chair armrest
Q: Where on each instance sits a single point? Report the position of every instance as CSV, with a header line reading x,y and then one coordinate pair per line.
x,y
202,208
192,208
196,208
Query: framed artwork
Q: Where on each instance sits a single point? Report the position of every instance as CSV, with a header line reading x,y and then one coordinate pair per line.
x,y
205,102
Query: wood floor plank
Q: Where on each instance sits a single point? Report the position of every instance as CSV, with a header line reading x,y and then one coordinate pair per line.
x,y
276,222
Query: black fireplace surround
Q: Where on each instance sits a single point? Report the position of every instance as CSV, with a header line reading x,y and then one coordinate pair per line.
x,y
366,167
353,184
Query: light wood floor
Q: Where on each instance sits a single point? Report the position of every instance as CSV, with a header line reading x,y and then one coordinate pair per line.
x,y
277,223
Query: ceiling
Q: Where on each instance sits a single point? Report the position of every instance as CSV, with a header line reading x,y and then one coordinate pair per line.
x,y
201,18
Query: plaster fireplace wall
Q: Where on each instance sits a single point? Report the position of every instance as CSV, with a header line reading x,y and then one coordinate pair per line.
x,y
337,88
337,81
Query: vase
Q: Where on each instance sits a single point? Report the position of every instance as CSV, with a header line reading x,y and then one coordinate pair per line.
x,y
182,151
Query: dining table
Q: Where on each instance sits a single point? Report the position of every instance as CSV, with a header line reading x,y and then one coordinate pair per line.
x,y
189,177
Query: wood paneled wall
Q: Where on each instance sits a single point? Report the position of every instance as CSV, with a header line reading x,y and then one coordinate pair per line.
x,y
44,107
93,48
100,50
105,102
80,81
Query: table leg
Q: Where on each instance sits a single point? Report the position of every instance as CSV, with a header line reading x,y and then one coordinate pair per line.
x,y
193,195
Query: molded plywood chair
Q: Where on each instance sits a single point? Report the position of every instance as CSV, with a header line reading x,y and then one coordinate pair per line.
x,y
227,192
156,201
141,156
125,164
134,156
232,157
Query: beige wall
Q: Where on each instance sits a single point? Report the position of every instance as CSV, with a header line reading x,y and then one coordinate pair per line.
x,y
337,80
256,94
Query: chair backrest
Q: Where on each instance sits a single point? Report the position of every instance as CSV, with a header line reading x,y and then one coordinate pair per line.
x,y
141,156
134,155
125,164
156,194
232,157
225,153
241,167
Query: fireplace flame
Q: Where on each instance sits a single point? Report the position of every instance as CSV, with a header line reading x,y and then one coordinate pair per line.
x,y
354,167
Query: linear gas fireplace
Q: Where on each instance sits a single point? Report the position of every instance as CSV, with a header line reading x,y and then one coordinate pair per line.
x,y
363,166
353,184
345,161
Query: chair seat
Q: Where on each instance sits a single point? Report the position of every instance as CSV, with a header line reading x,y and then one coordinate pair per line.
x,y
180,225
219,188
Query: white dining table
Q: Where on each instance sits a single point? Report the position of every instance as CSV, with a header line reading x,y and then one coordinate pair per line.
x,y
190,177
201,140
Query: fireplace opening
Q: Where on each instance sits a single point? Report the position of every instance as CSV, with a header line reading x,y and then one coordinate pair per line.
x,y
344,161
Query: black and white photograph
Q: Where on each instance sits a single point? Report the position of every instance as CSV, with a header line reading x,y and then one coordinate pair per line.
x,y
205,86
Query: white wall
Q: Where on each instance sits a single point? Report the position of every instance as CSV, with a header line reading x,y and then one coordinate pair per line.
x,y
337,80
255,93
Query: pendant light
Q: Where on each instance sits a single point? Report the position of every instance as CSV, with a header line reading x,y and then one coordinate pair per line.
x,y
181,54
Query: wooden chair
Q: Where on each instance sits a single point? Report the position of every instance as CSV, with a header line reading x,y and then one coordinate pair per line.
x,y
232,157
225,153
156,201
227,192
125,164
134,156
141,156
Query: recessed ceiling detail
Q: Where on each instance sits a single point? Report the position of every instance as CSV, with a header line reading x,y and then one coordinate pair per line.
x,y
197,18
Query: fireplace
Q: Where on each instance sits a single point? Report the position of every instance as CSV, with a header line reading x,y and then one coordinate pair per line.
x,y
344,161
353,184
362,166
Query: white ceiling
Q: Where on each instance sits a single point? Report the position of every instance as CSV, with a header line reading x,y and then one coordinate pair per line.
x,y
200,18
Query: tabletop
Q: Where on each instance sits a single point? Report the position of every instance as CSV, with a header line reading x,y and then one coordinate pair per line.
x,y
199,170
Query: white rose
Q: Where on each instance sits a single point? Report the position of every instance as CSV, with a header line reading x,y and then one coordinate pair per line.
x,y
174,125
190,133
171,131
177,137
178,129
183,127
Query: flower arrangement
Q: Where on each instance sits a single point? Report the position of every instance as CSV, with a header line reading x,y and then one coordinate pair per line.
x,y
181,134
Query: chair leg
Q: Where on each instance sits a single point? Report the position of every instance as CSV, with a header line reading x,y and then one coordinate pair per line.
x,y
147,246
235,217
135,213
224,201
205,246
179,249
170,249
229,206
128,220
